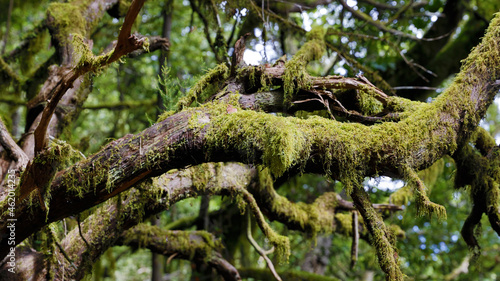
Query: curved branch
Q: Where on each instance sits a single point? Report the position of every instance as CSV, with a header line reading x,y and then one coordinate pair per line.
x,y
259,250
189,245
126,44
14,151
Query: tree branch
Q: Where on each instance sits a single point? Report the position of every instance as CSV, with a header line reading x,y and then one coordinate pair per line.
x,y
13,150
382,239
189,245
211,133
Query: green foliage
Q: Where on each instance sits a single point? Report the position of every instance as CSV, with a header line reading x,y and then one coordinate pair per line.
x,y
169,88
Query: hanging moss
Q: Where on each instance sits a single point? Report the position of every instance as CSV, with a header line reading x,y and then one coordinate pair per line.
x,y
48,238
423,204
308,216
343,222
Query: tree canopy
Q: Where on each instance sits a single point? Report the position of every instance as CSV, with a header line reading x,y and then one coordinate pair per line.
x,y
249,140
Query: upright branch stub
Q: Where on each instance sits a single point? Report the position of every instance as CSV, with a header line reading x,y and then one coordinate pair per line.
x,y
295,75
239,50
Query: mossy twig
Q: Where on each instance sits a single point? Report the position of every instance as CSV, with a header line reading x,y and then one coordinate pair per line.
x,y
424,205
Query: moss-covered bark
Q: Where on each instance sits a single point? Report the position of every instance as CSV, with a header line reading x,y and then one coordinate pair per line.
x,y
228,130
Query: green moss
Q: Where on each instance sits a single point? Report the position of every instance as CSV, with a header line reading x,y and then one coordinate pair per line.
x,y
423,204
265,81
295,75
312,218
343,222
68,19
48,238
85,60
483,140
282,144
219,73
165,115
397,231
397,104
368,104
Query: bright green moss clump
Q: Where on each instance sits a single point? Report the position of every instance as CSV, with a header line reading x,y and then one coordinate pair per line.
x,y
282,145
368,104
219,73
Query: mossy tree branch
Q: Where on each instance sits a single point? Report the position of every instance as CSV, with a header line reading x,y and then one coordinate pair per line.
x,y
68,75
382,239
106,225
315,145
478,167
344,151
150,198
126,44
189,245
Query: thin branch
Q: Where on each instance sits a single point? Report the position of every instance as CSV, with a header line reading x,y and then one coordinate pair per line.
x,y
349,206
7,29
126,42
80,230
205,25
381,240
262,252
13,150
355,239
384,6
381,26
65,255
400,11
353,62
